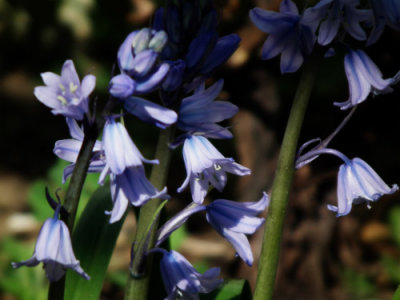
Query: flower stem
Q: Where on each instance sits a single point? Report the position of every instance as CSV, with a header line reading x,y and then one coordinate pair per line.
x,y
281,186
138,282
56,289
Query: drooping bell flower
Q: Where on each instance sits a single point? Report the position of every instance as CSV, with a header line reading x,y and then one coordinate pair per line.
x,y
233,220
334,13
54,249
357,182
181,280
206,165
364,78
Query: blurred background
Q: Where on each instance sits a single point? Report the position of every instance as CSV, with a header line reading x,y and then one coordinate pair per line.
x,y
323,257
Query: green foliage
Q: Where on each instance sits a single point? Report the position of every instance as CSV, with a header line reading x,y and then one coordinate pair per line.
x,y
358,284
232,289
36,197
177,237
94,240
24,283
394,224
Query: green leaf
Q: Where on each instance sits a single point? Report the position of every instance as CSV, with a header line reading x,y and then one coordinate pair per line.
x,y
394,223
396,295
232,289
93,241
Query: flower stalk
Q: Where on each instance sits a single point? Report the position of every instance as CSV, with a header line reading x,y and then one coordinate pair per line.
x,y
139,278
282,183
56,289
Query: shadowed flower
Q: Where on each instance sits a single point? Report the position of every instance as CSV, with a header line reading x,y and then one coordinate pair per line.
x,y
181,280
335,13
65,94
53,248
199,113
364,77
386,12
233,220
205,164
288,35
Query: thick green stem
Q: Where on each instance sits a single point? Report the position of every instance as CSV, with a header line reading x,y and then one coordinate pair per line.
x,y
56,289
281,186
138,282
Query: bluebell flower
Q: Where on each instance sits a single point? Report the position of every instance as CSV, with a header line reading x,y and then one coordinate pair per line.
x,y
205,164
181,280
357,182
138,60
364,77
65,94
150,112
120,151
131,186
199,113
386,12
233,220
194,48
54,249
68,149
175,75
222,51
289,35
334,13
124,164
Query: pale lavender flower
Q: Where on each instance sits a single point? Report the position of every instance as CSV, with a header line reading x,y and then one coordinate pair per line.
x,y
68,149
65,94
138,61
289,35
364,77
181,280
150,112
357,182
131,186
199,113
120,151
334,13
233,220
205,164
124,163
53,248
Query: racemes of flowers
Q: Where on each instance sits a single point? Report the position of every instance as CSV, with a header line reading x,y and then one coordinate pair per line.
x,y
175,58
328,23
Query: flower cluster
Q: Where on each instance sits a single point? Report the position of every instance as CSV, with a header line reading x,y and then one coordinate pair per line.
x,y
294,36
175,57
325,25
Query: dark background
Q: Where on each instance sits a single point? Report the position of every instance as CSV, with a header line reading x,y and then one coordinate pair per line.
x,y
323,257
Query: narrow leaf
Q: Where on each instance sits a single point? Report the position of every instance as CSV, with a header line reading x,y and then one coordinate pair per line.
x,y
93,240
